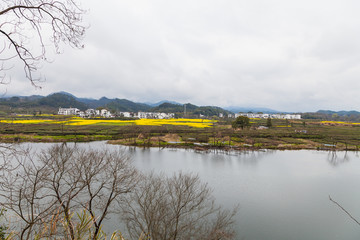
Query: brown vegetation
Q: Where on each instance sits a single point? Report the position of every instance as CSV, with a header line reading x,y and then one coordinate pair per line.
x,y
43,191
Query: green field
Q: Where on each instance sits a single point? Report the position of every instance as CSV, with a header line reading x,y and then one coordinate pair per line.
x,y
284,134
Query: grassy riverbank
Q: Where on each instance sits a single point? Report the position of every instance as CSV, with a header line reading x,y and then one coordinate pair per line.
x,y
195,133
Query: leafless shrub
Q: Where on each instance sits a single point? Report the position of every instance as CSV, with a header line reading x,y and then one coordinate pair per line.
x,y
62,180
177,207
43,192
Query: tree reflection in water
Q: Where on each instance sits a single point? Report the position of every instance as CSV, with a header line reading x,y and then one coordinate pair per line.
x,y
335,160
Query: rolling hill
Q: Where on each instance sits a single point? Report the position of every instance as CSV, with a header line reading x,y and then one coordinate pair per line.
x,y
52,102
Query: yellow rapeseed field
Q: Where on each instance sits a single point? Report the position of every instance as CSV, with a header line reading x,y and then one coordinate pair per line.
x,y
31,121
196,123
339,123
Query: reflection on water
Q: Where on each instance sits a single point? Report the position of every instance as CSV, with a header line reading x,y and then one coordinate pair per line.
x,y
336,158
282,194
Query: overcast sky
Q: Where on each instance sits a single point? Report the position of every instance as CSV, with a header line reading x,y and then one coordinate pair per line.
x,y
285,55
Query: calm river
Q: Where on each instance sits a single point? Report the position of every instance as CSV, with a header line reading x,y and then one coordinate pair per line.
x,y
282,195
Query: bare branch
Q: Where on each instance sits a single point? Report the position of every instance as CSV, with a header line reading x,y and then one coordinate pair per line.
x,y
344,210
177,207
56,20
63,180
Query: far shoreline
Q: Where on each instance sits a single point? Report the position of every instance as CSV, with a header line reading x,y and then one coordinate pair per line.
x,y
201,147
232,148
197,146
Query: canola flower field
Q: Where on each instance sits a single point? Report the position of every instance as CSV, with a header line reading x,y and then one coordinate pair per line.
x,y
305,134
77,121
339,123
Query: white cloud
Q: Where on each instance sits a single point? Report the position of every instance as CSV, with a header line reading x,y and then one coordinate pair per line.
x,y
287,55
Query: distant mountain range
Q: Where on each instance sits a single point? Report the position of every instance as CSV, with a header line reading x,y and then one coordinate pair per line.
x,y
251,109
52,102
161,102
350,116
339,113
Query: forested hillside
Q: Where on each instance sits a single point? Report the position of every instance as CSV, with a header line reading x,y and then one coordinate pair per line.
x,y
52,102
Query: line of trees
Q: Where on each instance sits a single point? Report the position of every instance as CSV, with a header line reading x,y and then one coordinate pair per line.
x,y
42,192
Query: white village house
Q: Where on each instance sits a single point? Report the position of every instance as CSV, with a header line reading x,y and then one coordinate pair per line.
x,y
68,111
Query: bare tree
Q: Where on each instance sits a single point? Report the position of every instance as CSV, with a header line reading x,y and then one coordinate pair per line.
x,y
62,180
42,188
28,23
177,207
22,192
109,176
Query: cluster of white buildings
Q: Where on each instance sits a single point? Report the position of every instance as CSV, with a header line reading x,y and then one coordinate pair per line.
x,y
153,115
89,113
267,115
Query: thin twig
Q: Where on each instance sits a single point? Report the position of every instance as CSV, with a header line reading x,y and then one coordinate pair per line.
x,y
344,210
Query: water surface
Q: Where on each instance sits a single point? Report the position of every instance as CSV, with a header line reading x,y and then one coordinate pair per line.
x,y
282,195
